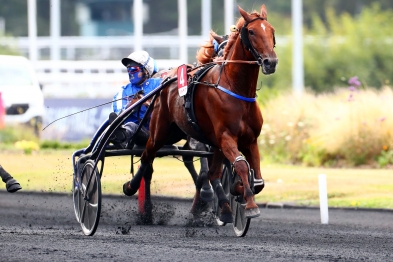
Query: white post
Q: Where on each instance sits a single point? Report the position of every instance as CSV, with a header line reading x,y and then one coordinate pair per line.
x,y
297,57
323,199
2,26
182,25
32,28
206,17
138,24
229,18
55,29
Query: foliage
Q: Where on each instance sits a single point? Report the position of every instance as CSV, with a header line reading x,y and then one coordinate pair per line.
x,y
385,158
13,134
54,144
23,137
27,146
348,127
347,46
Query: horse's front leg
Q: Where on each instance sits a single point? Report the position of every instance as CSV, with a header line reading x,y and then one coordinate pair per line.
x,y
252,156
230,149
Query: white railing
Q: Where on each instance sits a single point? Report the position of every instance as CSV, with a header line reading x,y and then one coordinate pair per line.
x,y
97,48
85,78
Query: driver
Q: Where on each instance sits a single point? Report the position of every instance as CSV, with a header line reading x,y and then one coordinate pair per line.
x,y
140,67
11,184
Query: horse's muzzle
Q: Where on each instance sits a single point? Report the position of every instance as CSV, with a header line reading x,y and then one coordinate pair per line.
x,y
269,65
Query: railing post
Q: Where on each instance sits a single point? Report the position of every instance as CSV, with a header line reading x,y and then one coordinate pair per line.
x,y
138,24
182,25
297,60
32,29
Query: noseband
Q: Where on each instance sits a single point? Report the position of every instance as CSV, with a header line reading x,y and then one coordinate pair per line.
x,y
247,43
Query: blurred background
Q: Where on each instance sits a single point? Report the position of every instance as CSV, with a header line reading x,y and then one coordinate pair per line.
x,y
330,102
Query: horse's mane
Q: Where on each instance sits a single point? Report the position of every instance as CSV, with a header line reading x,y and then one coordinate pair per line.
x,y
206,54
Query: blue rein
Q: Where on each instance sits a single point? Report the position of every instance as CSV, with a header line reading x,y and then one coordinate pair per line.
x,y
247,99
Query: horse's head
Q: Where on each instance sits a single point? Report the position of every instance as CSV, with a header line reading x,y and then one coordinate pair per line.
x,y
257,36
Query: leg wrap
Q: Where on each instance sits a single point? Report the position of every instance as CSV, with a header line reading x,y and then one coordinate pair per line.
x,y
216,183
5,176
136,180
199,182
259,184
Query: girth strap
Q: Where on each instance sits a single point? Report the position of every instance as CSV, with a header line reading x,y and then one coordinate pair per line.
x,y
189,100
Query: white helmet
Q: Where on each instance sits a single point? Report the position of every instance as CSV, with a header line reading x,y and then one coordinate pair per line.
x,y
141,58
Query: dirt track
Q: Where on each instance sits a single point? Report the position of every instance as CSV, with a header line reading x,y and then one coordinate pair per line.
x,y
42,227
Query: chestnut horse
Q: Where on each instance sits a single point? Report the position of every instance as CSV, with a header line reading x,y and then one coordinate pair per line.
x,y
228,116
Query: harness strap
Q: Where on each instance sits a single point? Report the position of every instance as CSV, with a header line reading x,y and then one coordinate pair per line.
x,y
238,61
247,99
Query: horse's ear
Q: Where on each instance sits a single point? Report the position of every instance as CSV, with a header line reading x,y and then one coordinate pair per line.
x,y
218,38
245,15
263,12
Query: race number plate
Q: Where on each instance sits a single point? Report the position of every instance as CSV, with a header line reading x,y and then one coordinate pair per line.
x,y
182,80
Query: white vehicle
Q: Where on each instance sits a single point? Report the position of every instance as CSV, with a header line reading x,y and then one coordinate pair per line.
x,y
22,96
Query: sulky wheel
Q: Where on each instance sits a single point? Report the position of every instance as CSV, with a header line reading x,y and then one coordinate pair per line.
x,y
87,198
240,222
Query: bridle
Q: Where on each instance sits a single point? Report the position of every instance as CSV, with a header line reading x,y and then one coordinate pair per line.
x,y
247,43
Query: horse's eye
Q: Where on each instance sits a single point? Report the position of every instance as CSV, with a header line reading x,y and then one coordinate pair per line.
x,y
251,32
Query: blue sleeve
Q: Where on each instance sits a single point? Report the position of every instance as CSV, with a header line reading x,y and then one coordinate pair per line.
x,y
117,105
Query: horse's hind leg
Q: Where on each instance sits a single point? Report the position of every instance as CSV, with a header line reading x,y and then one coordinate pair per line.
x,y
204,192
158,136
201,181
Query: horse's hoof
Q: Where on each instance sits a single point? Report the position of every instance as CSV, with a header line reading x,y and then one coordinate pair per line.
x,y
12,186
207,194
252,212
127,190
226,214
226,218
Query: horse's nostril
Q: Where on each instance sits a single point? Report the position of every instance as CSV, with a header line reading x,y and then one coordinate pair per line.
x,y
266,62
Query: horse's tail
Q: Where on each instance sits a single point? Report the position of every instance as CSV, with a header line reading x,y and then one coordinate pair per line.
x,y
206,53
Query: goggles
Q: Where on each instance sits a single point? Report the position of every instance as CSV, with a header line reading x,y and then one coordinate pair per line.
x,y
133,69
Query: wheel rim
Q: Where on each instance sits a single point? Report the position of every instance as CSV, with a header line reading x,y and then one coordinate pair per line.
x,y
76,194
90,199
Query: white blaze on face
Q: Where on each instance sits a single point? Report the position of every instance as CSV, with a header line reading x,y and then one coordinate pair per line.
x,y
263,27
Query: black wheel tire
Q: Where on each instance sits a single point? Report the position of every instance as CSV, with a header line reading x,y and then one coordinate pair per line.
x,y
89,202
